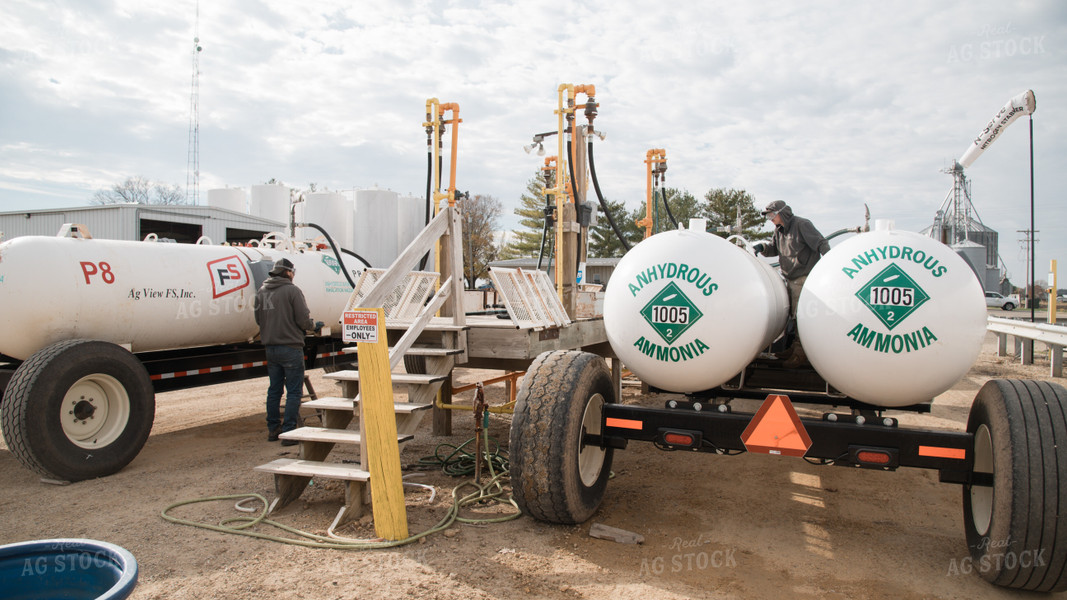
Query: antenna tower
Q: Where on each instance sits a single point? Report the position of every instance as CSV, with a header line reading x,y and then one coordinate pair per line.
x,y
192,171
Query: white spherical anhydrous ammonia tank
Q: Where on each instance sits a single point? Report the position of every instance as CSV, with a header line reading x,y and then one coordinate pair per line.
x,y
686,310
146,295
892,318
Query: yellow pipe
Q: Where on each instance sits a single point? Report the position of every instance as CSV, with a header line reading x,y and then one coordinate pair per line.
x,y
513,376
433,111
652,157
561,178
562,190
507,408
455,121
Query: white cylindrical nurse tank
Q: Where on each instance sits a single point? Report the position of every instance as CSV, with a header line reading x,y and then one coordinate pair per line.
x,y
374,232
271,202
687,311
228,198
146,295
892,318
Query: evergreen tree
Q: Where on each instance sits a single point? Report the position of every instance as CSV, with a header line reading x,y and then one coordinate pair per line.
x,y
526,242
684,206
603,243
721,208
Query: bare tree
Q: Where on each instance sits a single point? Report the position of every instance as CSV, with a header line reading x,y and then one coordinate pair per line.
x,y
479,215
139,190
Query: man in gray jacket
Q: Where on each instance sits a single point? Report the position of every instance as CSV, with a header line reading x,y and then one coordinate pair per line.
x,y
798,246
283,316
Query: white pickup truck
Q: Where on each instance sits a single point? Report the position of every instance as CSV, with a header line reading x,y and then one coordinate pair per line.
x,y
994,299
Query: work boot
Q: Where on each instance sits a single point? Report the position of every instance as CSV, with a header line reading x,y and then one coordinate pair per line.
x,y
798,358
273,435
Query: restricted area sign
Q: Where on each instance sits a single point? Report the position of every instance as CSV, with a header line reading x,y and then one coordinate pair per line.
x,y
360,325
776,429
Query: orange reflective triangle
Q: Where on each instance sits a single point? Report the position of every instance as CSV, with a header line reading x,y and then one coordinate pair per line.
x,y
776,429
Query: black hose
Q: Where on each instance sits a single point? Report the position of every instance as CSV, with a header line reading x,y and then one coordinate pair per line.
x,y
551,255
663,194
603,203
337,254
544,228
361,259
574,194
541,250
429,199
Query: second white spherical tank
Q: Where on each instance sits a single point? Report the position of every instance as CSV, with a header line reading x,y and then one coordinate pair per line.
x,y
686,310
892,318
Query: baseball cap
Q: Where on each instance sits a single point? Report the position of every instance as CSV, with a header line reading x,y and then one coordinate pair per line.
x,y
773,207
282,264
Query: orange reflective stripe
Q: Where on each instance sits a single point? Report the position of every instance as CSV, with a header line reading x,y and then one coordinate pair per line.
x,y
624,423
939,452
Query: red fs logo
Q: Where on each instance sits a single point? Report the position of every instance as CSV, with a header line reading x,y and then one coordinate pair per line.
x,y
227,275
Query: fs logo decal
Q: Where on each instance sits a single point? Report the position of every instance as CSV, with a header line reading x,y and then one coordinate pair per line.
x,y
227,275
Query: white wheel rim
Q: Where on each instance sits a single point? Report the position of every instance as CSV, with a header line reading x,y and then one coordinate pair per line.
x,y
95,411
591,458
982,496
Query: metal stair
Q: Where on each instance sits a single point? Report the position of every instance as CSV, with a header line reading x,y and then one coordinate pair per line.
x,y
442,343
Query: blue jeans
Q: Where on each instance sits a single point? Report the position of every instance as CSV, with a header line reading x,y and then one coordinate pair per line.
x,y
285,368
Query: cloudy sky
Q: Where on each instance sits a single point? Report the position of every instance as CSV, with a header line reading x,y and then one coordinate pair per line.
x,y
827,105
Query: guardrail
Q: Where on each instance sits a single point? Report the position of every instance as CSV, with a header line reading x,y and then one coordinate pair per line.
x,y
1025,334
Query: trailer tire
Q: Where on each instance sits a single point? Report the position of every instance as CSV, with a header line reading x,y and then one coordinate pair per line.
x,y
554,476
415,364
78,409
1015,531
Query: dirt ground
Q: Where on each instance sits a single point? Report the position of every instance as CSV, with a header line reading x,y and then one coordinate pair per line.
x,y
748,526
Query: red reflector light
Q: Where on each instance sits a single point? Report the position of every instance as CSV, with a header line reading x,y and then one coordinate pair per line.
x,y
872,457
678,439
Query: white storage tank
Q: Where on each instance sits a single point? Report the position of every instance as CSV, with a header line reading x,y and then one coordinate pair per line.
x,y
270,202
330,210
686,310
374,226
892,318
228,198
411,219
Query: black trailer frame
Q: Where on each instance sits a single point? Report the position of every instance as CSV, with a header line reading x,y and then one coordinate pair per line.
x,y
708,423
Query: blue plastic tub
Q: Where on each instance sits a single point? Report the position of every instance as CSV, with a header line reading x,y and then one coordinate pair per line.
x,y
66,568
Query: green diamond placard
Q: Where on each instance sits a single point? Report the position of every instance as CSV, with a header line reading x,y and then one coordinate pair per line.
x,y
892,295
671,313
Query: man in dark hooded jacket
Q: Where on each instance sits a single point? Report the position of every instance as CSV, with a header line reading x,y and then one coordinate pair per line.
x,y
798,246
283,316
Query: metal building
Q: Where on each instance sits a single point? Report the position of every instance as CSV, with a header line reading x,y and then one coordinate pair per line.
x,y
132,222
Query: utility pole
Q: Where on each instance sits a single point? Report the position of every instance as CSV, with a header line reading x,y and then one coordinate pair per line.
x,y
1029,238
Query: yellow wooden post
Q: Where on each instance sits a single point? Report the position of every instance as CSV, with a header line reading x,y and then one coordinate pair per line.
x,y
1052,292
379,427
